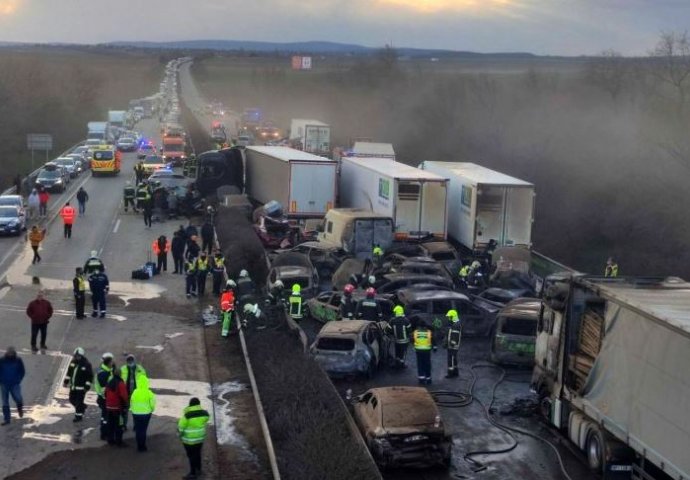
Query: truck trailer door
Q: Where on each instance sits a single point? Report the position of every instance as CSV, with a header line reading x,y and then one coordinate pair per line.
x,y
491,202
408,207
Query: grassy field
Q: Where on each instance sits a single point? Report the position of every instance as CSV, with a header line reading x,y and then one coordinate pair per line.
x,y
609,165
57,91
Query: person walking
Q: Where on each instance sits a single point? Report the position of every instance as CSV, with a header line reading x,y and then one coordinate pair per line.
x,y
453,342
103,376
401,332
147,208
130,194
177,247
201,272
99,285
79,290
191,277
93,263
36,236
161,247
67,213
192,431
422,346
43,198
33,203
130,373
116,404
207,235
11,375
142,404
78,379
39,311
82,198
218,271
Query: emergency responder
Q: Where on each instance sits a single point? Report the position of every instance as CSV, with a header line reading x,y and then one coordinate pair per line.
x,y
295,301
348,306
147,210
36,236
79,290
190,278
161,246
463,274
276,295
130,193
116,404
453,342
142,403
422,338
201,272
217,271
475,277
611,269
377,255
78,379
130,373
401,332
207,235
245,285
193,248
192,430
93,263
227,307
143,195
99,285
252,313
68,213
139,172
369,308
103,375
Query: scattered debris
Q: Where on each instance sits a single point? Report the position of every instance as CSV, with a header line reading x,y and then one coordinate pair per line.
x,y
520,407
210,316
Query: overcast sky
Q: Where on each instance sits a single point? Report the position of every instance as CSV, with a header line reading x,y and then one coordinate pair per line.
x,y
569,27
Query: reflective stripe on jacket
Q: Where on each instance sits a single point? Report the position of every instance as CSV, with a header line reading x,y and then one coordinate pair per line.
x,y
227,300
103,376
67,213
422,339
192,425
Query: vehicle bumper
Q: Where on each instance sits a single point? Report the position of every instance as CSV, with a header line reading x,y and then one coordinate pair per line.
x,y
7,230
341,368
421,455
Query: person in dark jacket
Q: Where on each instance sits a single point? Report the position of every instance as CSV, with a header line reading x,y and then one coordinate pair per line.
x,y
39,311
11,376
82,198
100,286
116,404
147,206
79,379
193,250
177,247
207,235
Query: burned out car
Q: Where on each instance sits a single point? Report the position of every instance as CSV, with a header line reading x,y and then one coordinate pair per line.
x,y
351,347
294,268
424,266
444,253
325,258
515,333
402,426
391,282
325,307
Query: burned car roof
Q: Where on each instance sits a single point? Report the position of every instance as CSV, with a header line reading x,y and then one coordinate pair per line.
x,y
412,295
406,406
344,327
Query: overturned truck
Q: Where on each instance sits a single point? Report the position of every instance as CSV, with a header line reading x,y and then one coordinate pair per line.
x,y
611,369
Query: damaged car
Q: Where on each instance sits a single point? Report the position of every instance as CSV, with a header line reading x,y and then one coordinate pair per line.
x,y
294,268
514,336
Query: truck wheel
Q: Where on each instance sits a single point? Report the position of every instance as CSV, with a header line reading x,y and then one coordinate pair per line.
x,y
595,449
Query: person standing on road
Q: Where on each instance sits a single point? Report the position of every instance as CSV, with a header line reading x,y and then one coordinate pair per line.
x,y
39,311
99,285
202,273
161,247
190,278
33,203
67,213
369,308
11,375
147,207
116,404
43,198
207,235
611,269
142,403
193,249
82,198
93,263
130,373
401,332
103,376
218,270
453,342
36,236
79,289
78,379
192,430
177,247
227,307
130,194
422,346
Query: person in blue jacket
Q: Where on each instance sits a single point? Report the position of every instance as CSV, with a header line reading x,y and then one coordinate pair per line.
x,y
11,376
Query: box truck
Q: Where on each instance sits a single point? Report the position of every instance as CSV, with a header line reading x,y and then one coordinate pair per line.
x,y
311,136
356,230
98,131
305,184
415,199
611,371
485,205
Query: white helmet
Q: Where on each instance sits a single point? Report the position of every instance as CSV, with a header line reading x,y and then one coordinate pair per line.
x,y
249,308
244,274
79,351
279,284
476,264
230,284
107,355
94,253
372,279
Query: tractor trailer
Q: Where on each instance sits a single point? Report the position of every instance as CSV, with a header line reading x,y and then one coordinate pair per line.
x,y
611,371
311,136
415,199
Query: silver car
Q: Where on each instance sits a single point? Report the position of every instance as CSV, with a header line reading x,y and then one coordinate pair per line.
x,y
68,164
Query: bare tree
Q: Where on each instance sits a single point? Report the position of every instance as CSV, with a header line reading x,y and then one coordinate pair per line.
x,y
609,71
671,64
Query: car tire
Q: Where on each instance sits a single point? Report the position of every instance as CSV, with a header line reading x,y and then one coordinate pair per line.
x,y
595,450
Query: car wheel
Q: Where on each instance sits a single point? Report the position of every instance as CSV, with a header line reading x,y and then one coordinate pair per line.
x,y
595,450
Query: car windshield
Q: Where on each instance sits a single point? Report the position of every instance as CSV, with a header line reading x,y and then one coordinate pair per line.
x,y
65,163
153,160
174,148
335,343
520,326
10,201
103,155
81,149
49,174
8,212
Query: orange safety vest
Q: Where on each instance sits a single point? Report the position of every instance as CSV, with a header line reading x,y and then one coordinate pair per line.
x,y
67,215
227,301
156,248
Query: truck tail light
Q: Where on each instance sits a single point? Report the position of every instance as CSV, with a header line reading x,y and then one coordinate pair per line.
x,y
293,206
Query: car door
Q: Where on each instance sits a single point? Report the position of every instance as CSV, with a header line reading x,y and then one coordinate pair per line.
x,y
370,340
472,319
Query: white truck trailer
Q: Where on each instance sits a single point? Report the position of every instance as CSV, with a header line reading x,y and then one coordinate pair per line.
x,y
413,198
373,150
486,205
312,136
97,130
116,118
611,371
305,184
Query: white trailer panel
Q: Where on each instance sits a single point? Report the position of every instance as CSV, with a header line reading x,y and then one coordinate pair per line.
x,y
313,136
373,150
415,199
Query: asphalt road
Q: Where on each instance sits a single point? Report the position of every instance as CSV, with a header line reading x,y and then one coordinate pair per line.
x,y
151,319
